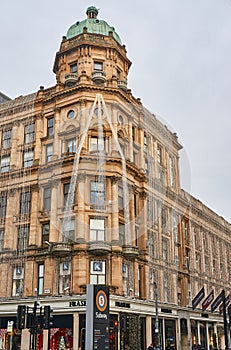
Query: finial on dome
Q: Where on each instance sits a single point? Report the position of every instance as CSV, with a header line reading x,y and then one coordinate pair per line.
x,y
92,12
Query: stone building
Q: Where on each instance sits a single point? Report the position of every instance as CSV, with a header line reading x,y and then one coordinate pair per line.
x,y
90,194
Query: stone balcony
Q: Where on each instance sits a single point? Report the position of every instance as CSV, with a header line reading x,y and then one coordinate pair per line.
x,y
71,79
98,77
130,251
61,249
122,84
99,247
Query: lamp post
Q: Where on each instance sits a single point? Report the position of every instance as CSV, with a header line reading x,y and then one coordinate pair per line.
x,y
157,317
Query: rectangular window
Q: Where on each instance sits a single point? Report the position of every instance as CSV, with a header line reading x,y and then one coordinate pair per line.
x,y
25,200
71,146
133,134
97,195
175,226
165,249
96,144
23,234
98,66
73,68
159,154
29,133
64,277
2,234
166,288
145,143
5,164
98,272
186,229
6,139
45,232
122,233
3,204
65,192
49,152
28,158
97,229
163,217
120,198
50,126
69,230
47,199
40,278
171,171
18,281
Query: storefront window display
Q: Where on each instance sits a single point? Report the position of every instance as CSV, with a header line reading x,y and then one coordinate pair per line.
x,y
61,335
170,335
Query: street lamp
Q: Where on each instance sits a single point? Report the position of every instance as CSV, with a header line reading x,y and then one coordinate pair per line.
x,y
157,317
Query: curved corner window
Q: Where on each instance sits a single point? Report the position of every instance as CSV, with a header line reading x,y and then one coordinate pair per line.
x,y
70,114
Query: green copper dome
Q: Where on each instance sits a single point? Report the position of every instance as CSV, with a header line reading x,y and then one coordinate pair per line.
x,y
93,25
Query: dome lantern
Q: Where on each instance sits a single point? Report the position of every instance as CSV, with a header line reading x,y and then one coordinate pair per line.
x,y
92,12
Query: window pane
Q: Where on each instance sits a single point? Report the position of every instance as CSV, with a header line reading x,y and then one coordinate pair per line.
x,y
47,199
50,126
73,68
29,133
45,232
101,279
41,270
28,158
49,152
100,235
97,224
5,164
93,279
6,139
71,145
98,65
25,203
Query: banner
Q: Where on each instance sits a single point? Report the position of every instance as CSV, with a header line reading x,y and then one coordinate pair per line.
x,y
217,301
198,298
208,300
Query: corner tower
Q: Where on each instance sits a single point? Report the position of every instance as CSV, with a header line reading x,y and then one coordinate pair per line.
x,y
92,53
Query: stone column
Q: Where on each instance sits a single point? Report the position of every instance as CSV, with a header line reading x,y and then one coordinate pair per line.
x,y
38,144
55,234
142,158
114,145
207,335
25,340
149,330
84,115
75,330
11,216
115,211
17,140
56,148
132,216
34,236
130,151
143,219
81,225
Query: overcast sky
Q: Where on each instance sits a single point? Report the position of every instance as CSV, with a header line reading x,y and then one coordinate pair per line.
x,y
181,54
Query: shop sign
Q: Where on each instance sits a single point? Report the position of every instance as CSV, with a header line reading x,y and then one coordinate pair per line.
x,y
78,303
10,326
97,318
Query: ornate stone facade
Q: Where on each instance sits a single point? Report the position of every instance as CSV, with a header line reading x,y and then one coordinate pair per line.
x,y
89,177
